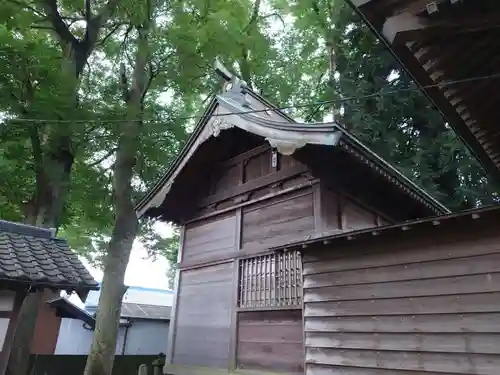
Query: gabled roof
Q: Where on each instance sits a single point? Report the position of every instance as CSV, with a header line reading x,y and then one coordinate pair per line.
x,y
434,42
34,257
233,109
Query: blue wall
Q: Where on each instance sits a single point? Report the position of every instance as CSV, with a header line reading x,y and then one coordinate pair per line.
x,y
143,337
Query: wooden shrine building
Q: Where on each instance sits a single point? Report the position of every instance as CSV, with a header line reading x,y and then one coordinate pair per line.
x,y
304,252
249,182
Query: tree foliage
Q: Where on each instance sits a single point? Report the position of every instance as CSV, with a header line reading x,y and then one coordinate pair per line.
x,y
67,73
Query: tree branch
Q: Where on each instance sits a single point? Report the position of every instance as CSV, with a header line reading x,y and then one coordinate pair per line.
x,y
104,157
254,17
122,48
60,27
95,24
27,6
114,28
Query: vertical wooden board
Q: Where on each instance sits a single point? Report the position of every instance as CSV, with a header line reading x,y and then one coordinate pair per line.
x,y
319,222
257,166
356,217
210,239
203,318
330,208
287,161
278,221
225,179
270,340
233,343
173,321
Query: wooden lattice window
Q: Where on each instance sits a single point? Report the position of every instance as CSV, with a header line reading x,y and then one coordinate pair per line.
x,y
271,281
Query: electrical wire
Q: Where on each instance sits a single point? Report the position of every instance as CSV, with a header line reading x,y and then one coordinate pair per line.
x,y
284,108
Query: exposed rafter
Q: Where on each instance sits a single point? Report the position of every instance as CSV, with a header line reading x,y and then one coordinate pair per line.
x,y
405,27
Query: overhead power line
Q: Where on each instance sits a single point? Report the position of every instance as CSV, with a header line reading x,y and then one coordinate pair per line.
x,y
381,93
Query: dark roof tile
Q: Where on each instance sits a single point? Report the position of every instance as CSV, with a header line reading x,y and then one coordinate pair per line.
x,y
32,255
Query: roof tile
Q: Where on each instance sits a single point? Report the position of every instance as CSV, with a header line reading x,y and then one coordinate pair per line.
x,y
32,255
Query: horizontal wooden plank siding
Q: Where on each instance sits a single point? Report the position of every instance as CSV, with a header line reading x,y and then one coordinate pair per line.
x,y
271,341
210,239
426,307
204,316
277,221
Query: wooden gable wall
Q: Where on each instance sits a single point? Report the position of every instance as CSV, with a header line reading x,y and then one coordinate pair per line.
x,y
254,201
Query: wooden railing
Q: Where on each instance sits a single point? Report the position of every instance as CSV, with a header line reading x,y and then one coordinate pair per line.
x,y
271,281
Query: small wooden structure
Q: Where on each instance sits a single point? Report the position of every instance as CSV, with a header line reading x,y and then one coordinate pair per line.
x,y
250,179
421,297
450,49
33,260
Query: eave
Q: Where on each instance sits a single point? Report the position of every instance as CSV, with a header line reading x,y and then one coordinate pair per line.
x,y
468,217
435,51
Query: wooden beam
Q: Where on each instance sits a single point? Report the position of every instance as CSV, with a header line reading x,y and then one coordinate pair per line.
x,y
297,187
319,223
11,330
254,184
233,339
173,321
244,156
205,370
405,27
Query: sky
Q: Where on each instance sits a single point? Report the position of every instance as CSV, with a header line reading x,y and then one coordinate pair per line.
x,y
141,271
151,273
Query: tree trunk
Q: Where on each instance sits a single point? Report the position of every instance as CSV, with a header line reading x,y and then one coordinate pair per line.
x,y
54,162
102,352
332,69
244,63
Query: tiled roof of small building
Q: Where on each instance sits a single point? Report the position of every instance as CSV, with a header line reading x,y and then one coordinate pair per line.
x,y
33,256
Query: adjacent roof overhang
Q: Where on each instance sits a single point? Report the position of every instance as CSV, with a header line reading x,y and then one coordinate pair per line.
x,y
450,221
32,257
233,110
66,309
434,42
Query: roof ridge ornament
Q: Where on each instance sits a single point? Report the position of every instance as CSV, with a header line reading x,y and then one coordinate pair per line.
x,y
237,91
236,88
